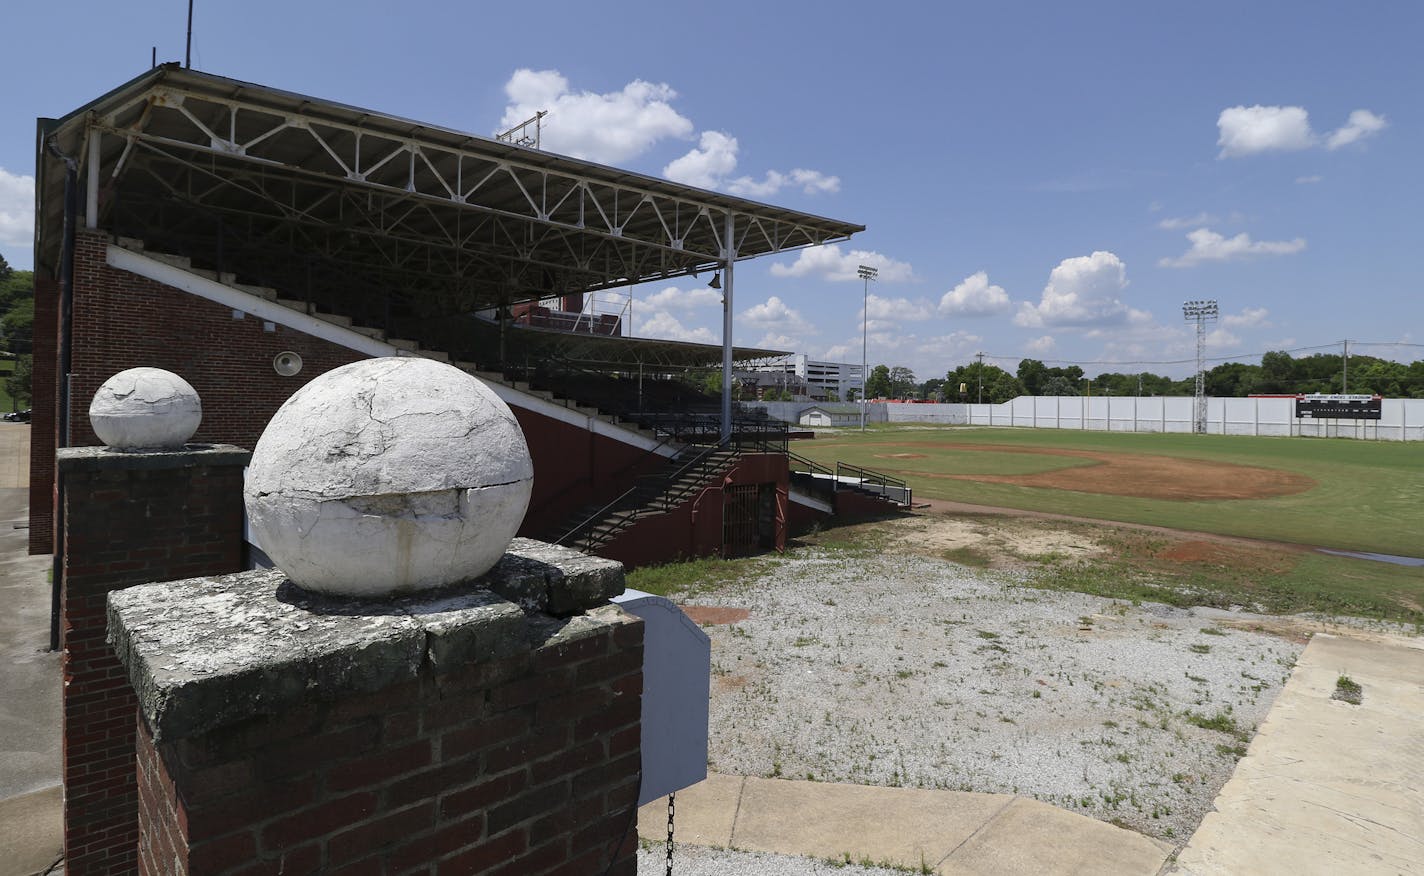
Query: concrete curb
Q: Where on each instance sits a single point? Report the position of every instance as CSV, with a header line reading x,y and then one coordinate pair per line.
x,y
946,832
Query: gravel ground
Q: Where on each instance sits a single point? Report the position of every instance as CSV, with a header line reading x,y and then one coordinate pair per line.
x,y
701,861
893,669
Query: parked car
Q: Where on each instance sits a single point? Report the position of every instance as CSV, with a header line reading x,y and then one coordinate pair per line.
x,y
18,416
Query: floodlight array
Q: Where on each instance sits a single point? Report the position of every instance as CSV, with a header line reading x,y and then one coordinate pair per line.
x,y
1194,310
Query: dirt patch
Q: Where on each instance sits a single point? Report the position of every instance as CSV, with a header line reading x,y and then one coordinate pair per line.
x,y
1143,476
899,456
712,615
999,542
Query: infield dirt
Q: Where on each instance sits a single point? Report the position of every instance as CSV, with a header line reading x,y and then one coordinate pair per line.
x,y
1144,476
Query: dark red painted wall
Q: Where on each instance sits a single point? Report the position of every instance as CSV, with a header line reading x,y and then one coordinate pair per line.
x,y
694,529
573,468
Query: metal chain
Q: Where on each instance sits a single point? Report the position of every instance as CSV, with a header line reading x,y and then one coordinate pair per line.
x,y
672,809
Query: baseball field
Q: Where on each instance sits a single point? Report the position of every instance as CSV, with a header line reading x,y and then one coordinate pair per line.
x,y
1333,493
1185,519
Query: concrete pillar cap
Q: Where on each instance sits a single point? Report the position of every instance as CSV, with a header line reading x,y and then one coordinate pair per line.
x,y
145,409
388,476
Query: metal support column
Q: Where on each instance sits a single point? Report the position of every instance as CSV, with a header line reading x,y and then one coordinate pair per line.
x,y
91,182
729,255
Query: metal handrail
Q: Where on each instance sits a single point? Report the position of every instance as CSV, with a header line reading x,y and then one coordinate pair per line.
x,y
886,483
608,509
811,465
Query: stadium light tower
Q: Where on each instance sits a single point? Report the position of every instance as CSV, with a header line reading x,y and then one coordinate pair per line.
x,y
1201,313
867,274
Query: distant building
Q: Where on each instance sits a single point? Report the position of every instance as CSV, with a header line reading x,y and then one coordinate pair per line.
x,y
830,415
819,381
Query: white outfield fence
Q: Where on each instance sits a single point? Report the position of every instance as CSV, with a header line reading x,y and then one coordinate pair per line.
x,y
1401,419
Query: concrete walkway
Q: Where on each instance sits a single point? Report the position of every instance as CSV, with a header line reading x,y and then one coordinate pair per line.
x,y
1328,787
31,836
945,832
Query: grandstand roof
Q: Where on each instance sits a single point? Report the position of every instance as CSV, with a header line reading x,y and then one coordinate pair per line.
x,y
419,208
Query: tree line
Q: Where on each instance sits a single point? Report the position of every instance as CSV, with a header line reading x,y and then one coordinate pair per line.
x,y
1278,373
17,323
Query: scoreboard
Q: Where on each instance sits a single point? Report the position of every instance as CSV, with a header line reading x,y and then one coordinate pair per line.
x,y
1338,407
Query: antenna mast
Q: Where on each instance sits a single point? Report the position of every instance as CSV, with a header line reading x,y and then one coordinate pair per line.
x,y
519,134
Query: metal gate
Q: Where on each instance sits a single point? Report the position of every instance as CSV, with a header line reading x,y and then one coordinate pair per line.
x,y
740,520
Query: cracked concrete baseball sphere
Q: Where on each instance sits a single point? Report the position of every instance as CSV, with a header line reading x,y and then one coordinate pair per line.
x,y
145,409
388,476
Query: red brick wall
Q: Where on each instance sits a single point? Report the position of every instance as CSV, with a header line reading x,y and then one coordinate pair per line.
x,y
694,528
527,766
124,528
574,467
42,420
122,320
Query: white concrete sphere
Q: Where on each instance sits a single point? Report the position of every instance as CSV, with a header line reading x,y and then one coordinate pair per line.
x,y
145,409
388,476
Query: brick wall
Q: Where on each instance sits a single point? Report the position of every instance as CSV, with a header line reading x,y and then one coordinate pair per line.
x,y
43,421
122,320
526,765
694,528
124,527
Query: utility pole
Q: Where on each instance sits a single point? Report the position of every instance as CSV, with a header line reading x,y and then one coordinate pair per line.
x,y
981,377
1345,367
188,52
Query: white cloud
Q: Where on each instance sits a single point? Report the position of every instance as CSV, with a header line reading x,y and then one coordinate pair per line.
x,y
711,163
1082,292
1247,130
1361,124
1249,317
1308,180
1041,345
1208,246
662,324
774,341
1222,339
974,296
885,312
17,209
609,128
811,182
1197,221
673,298
621,125
714,157
773,314
668,313
830,263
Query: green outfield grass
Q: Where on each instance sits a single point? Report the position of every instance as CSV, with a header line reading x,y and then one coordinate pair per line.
x,y
1369,495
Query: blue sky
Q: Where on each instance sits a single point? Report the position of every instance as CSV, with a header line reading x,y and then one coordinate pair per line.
x,y
1037,179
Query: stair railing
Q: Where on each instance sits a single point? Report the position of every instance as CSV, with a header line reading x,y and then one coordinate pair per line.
x,y
870,481
619,524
